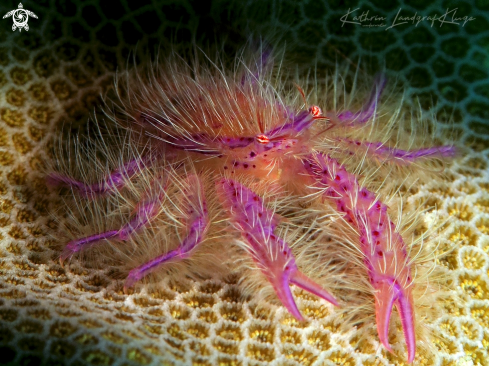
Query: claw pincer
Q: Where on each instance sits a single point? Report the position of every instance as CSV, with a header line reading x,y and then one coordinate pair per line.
x,y
387,294
383,248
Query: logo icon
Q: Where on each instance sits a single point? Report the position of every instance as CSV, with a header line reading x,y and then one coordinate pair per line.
x,y
20,17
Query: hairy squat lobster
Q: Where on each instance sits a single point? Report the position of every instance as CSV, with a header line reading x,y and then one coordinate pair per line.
x,y
238,128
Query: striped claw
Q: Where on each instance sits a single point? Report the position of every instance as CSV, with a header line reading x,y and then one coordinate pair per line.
x,y
384,250
257,224
388,294
281,271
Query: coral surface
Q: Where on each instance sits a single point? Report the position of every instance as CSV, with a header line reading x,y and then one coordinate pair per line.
x,y
53,74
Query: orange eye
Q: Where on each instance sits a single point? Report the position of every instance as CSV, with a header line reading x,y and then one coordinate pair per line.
x,y
315,111
262,139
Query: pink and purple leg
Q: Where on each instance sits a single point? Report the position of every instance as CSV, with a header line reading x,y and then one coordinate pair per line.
x,y
112,182
144,213
198,220
272,255
384,251
379,150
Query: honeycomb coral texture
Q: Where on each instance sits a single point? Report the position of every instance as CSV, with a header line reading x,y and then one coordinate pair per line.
x,y
52,76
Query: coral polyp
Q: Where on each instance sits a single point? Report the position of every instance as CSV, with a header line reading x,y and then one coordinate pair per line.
x,y
223,158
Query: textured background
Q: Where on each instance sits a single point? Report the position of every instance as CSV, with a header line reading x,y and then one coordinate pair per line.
x,y
53,74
